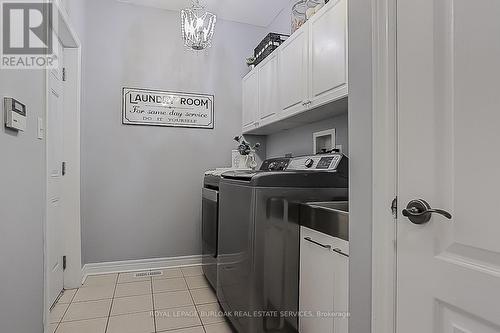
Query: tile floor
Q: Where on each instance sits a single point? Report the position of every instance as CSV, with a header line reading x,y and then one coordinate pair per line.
x,y
179,301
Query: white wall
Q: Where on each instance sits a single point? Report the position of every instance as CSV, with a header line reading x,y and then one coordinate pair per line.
x,y
299,141
141,194
22,202
283,22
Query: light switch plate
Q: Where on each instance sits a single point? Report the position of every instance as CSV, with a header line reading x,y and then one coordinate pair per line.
x,y
40,128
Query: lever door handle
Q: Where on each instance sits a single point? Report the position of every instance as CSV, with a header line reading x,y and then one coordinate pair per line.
x,y
420,212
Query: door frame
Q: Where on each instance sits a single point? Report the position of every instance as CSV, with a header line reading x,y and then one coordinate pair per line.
x,y
385,165
71,153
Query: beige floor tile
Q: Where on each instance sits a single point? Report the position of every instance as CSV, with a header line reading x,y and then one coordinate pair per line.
x,y
210,313
130,277
99,280
166,285
132,323
169,273
57,313
197,282
94,293
133,304
88,310
203,296
133,289
52,328
173,299
198,329
83,326
192,271
67,296
177,318
219,328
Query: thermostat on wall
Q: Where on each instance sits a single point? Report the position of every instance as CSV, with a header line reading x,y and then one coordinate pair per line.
x,y
15,114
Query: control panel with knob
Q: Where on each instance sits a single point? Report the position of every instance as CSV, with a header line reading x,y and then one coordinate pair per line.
x,y
321,162
309,163
275,164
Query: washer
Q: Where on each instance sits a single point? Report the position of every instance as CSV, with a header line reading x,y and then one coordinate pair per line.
x,y
259,237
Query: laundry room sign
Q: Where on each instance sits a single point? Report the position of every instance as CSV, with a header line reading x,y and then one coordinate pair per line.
x,y
166,108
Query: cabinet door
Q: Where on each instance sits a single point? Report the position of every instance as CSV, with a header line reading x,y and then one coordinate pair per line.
x,y
328,54
324,285
293,72
250,99
268,90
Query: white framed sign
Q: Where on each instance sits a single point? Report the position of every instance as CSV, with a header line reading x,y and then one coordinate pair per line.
x,y
167,108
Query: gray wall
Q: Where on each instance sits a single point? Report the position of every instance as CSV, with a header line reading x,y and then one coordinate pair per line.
x,y
360,153
283,22
299,140
22,202
141,184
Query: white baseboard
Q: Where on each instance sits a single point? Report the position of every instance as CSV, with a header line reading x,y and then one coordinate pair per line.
x,y
139,265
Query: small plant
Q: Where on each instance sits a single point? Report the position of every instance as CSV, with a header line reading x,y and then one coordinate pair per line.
x,y
244,147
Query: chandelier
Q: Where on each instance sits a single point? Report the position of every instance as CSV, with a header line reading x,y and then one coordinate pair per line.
x,y
197,26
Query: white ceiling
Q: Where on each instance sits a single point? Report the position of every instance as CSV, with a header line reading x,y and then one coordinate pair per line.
x,y
256,12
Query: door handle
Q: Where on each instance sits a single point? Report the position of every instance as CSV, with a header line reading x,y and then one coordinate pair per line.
x,y
319,244
420,212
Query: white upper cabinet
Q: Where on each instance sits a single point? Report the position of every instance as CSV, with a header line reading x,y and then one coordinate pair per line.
x,y
328,54
250,100
293,72
268,90
308,70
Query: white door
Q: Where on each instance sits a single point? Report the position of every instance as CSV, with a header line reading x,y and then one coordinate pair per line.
x,y
328,54
54,223
293,72
268,89
448,271
250,99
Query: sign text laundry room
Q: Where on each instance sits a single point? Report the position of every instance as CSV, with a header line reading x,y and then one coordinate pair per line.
x,y
166,108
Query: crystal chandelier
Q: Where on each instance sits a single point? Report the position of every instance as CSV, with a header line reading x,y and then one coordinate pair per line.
x,y
197,26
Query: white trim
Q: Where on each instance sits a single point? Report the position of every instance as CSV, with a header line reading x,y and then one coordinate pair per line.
x,y
384,166
331,132
72,180
139,265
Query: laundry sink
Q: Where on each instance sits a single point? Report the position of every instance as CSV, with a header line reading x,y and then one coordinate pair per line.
x,y
331,218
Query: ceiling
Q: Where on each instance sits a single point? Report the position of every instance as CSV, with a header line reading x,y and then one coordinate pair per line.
x,y
255,12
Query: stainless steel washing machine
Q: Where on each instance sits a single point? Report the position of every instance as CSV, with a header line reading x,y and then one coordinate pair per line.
x,y
258,239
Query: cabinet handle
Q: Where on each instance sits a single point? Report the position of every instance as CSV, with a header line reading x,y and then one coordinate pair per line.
x,y
339,251
319,244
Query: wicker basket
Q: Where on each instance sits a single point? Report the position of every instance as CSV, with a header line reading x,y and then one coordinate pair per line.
x,y
267,46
